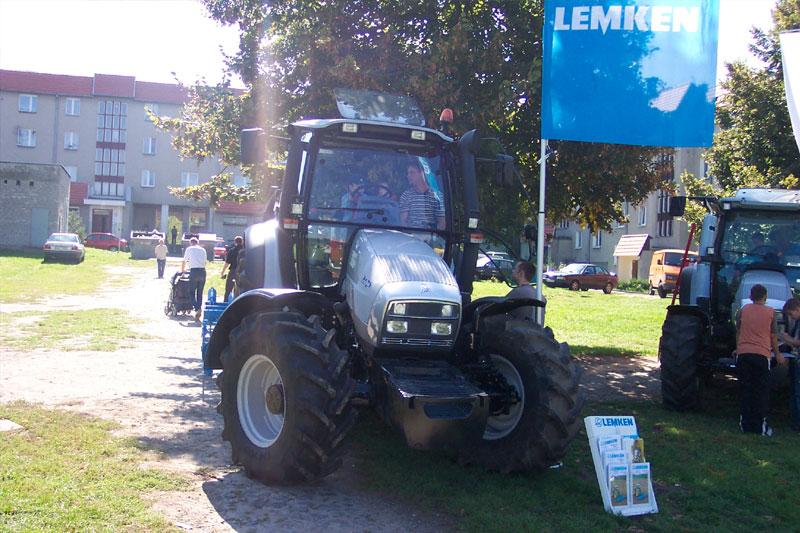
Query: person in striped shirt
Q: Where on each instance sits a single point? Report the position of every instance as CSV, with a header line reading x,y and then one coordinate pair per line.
x,y
419,205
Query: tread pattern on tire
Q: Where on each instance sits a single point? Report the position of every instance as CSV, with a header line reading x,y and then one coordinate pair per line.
x,y
678,353
318,389
553,402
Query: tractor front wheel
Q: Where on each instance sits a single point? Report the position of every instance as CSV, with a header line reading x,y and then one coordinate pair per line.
x,y
533,433
286,393
679,351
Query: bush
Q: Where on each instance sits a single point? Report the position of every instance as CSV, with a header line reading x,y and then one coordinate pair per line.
x,y
634,285
75,225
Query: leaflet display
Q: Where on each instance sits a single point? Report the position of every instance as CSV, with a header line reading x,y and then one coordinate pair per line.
x,y
623,473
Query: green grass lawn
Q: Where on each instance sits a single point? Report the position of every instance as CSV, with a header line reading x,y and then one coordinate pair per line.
x,y
596,323
66,472
707,476
27,278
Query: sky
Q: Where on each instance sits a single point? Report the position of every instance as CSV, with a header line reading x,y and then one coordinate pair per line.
x,y
151,39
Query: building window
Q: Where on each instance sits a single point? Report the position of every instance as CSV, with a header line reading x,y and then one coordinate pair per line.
x,y
597,240
625,212
26,137
578,243
112,122
28,103
152,108
149,146
148,178
109,162
73,107
564,224
664,219
73,173
189,179
240,181
70,140
642,215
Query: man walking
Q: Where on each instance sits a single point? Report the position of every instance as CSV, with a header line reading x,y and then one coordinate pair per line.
x,y
231,264
195,257
161,257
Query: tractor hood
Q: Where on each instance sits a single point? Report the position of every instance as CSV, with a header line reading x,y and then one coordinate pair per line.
x,y
401,294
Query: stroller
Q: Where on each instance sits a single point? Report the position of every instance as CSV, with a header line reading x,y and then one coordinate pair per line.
x,y
179,301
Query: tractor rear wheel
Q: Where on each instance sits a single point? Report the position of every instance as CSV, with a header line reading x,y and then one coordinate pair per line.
x,y
286,393
536,431
679,350
662,292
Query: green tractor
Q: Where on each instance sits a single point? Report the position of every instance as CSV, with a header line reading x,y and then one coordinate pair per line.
x,y
358,294
752,237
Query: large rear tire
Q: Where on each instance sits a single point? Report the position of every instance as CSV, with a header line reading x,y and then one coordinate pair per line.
x,y
285,398
679,351
536,432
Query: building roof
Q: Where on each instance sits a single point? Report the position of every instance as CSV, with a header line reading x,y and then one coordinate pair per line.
x,y
631,245
77,192
98,85
246,208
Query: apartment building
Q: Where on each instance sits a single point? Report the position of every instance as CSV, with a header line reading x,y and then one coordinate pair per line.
x,y
628,248
120,165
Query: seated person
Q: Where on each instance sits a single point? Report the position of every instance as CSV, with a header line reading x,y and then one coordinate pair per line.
x,y
523,274
419,205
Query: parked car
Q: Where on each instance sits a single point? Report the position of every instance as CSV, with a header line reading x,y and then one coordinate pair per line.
x,y
582,276
664,269
64,246
221,249
105,241
488,268
499,255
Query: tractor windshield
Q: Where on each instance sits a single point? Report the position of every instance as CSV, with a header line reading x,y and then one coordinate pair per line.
x,y
353,187
753,239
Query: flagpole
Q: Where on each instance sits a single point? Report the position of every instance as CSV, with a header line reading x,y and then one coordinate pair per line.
x,y
540,229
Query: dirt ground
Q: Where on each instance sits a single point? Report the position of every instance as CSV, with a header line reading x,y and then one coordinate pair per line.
x,y
156,391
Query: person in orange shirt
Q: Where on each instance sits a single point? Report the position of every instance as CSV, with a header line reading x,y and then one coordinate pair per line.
x,y
756,338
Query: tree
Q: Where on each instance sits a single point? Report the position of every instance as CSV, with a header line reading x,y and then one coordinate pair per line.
x,y
482,59
755,146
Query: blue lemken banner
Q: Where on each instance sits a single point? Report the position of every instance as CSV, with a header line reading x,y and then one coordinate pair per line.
x,y
630,72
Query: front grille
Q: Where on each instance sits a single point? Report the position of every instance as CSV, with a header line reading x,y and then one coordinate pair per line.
x,y
430,343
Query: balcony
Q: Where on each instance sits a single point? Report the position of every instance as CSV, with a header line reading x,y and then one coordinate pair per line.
x,y
104,191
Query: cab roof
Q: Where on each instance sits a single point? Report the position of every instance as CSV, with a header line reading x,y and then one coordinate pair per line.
x,y
324,123
775,199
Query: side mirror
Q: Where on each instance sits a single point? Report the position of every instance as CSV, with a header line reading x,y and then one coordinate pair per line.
x,y
677,206
530,232
253,146
505,170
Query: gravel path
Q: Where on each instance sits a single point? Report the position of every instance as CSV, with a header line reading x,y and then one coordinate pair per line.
x,y
157,393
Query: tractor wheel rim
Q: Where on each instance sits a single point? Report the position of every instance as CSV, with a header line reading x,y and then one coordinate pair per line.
x,y
501,425
260,425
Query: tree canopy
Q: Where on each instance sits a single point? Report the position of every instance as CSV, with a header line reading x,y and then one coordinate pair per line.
x,y
755,146
482,59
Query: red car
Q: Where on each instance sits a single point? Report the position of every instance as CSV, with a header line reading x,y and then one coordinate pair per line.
x,y
582,276
220,249
105,241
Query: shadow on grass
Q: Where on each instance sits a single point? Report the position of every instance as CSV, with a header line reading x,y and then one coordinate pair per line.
x,y
610,351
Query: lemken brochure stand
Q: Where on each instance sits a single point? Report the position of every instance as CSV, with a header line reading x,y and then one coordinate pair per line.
x,y
625,482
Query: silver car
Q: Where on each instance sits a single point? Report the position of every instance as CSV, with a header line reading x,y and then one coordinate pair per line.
x,y
64,246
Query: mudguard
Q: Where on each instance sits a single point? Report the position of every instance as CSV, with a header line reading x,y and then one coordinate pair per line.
x,y
257,301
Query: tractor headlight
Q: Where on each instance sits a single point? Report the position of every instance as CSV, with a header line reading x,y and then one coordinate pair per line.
x,y
448,310
441,328
397,326
399,308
